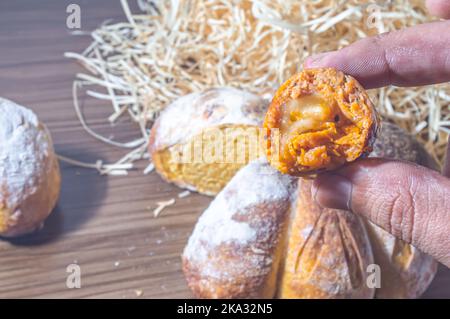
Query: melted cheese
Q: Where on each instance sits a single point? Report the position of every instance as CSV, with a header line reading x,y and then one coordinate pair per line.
x,y
305,114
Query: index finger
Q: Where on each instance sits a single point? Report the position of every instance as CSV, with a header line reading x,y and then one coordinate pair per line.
x,y
419,55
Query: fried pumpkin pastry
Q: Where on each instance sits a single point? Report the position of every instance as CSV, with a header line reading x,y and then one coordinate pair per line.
x,y
318,120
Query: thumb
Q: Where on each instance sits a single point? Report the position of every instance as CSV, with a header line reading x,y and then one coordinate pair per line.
x,y
407,200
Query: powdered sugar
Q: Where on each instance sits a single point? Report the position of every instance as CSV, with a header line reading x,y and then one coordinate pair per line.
x,y
24,145
258,183
192,113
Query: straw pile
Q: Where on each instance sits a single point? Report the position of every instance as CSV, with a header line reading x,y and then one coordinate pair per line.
x,y
175,47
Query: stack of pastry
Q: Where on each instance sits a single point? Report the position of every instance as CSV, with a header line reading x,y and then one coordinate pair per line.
x,y
263,236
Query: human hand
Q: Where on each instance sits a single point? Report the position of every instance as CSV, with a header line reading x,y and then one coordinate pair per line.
x,y
409,201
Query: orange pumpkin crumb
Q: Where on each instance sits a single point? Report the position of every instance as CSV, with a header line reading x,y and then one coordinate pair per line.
x,y
318,120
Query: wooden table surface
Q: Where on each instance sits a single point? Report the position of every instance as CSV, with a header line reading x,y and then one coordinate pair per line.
x,y
104,224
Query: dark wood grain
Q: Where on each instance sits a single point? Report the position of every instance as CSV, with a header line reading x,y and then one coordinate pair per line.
x,y
104,224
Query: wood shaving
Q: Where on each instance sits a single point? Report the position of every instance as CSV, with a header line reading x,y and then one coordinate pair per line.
x,y
115,169
177,47
139,293
184,194
161,206
149,169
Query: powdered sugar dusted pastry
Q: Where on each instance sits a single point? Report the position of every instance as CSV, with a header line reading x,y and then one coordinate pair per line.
x,y
29,171
180,136
246,246
236,247
262,237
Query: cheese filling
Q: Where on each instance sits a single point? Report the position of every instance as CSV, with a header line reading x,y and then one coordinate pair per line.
x,y
310,129
305,114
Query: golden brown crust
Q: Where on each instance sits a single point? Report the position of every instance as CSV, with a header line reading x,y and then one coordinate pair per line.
x,y
340,125
327,254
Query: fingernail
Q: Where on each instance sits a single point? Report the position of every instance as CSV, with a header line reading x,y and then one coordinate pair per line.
x,y
332,191
314,60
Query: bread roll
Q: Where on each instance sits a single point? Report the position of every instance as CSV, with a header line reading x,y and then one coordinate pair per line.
x,y
318,120
29,171
328,252
246,246
236,247
202,139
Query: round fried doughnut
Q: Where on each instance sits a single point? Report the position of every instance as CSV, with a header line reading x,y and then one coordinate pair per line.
x,y
318,120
